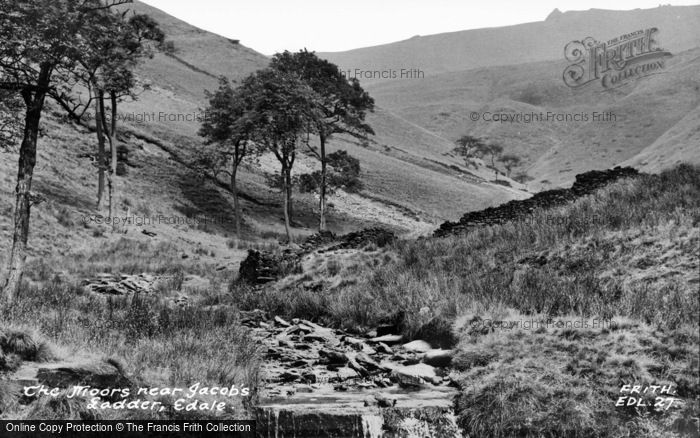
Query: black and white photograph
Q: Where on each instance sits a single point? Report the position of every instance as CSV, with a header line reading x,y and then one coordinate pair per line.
x,y
349,219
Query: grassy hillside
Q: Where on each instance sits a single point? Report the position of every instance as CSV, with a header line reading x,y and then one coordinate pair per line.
x,y
176,88
554,151
530,42
550,316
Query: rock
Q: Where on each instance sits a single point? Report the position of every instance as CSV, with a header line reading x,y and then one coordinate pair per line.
x,y
346,373
361,239
355,365
281,322
290,376
261,267
102,374
388,339
285,343
299,363
367,362
354,342
438,358
309,377
389,365
386,330
411,361
384,401
303,388
313,325
330,357
303,328
414,375
359,344
417,346
366,349
324,336
111,284
383,348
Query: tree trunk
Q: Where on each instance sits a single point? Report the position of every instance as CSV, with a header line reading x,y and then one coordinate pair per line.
x,y
236,202
286,194
322,200
100,149
25,173
112,138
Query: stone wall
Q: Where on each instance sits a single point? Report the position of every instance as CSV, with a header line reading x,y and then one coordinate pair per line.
x,y
261,267
585,184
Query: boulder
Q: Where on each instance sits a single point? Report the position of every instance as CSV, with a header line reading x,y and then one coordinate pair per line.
x,y
384,401
103,375
438,358
417,346
414,375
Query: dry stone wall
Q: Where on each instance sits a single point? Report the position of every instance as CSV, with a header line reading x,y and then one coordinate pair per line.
x,y
585,184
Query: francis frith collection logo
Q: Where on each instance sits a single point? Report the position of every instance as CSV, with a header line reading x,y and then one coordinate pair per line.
x,y
614,62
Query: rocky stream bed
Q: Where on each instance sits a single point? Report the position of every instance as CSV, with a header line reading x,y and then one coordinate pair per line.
x,y
322,382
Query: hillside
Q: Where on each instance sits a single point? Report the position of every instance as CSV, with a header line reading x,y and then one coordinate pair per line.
x,y
523,43
601,288
410,185
446,299
177,88
554,151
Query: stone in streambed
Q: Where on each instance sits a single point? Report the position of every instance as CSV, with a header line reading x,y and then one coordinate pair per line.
x,y
417,346
415,375
438,358
388,339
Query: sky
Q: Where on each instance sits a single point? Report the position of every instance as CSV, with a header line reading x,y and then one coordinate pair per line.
x,y
270,26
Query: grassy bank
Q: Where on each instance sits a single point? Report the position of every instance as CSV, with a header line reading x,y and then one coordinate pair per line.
x,y
626,257
157,343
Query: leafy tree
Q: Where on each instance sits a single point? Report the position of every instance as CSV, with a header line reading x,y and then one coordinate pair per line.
x,y
522,177
468,147
509,162
342,103
492,150
281,110
40,44
109,52
226,130
345,174
10,121
118,79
